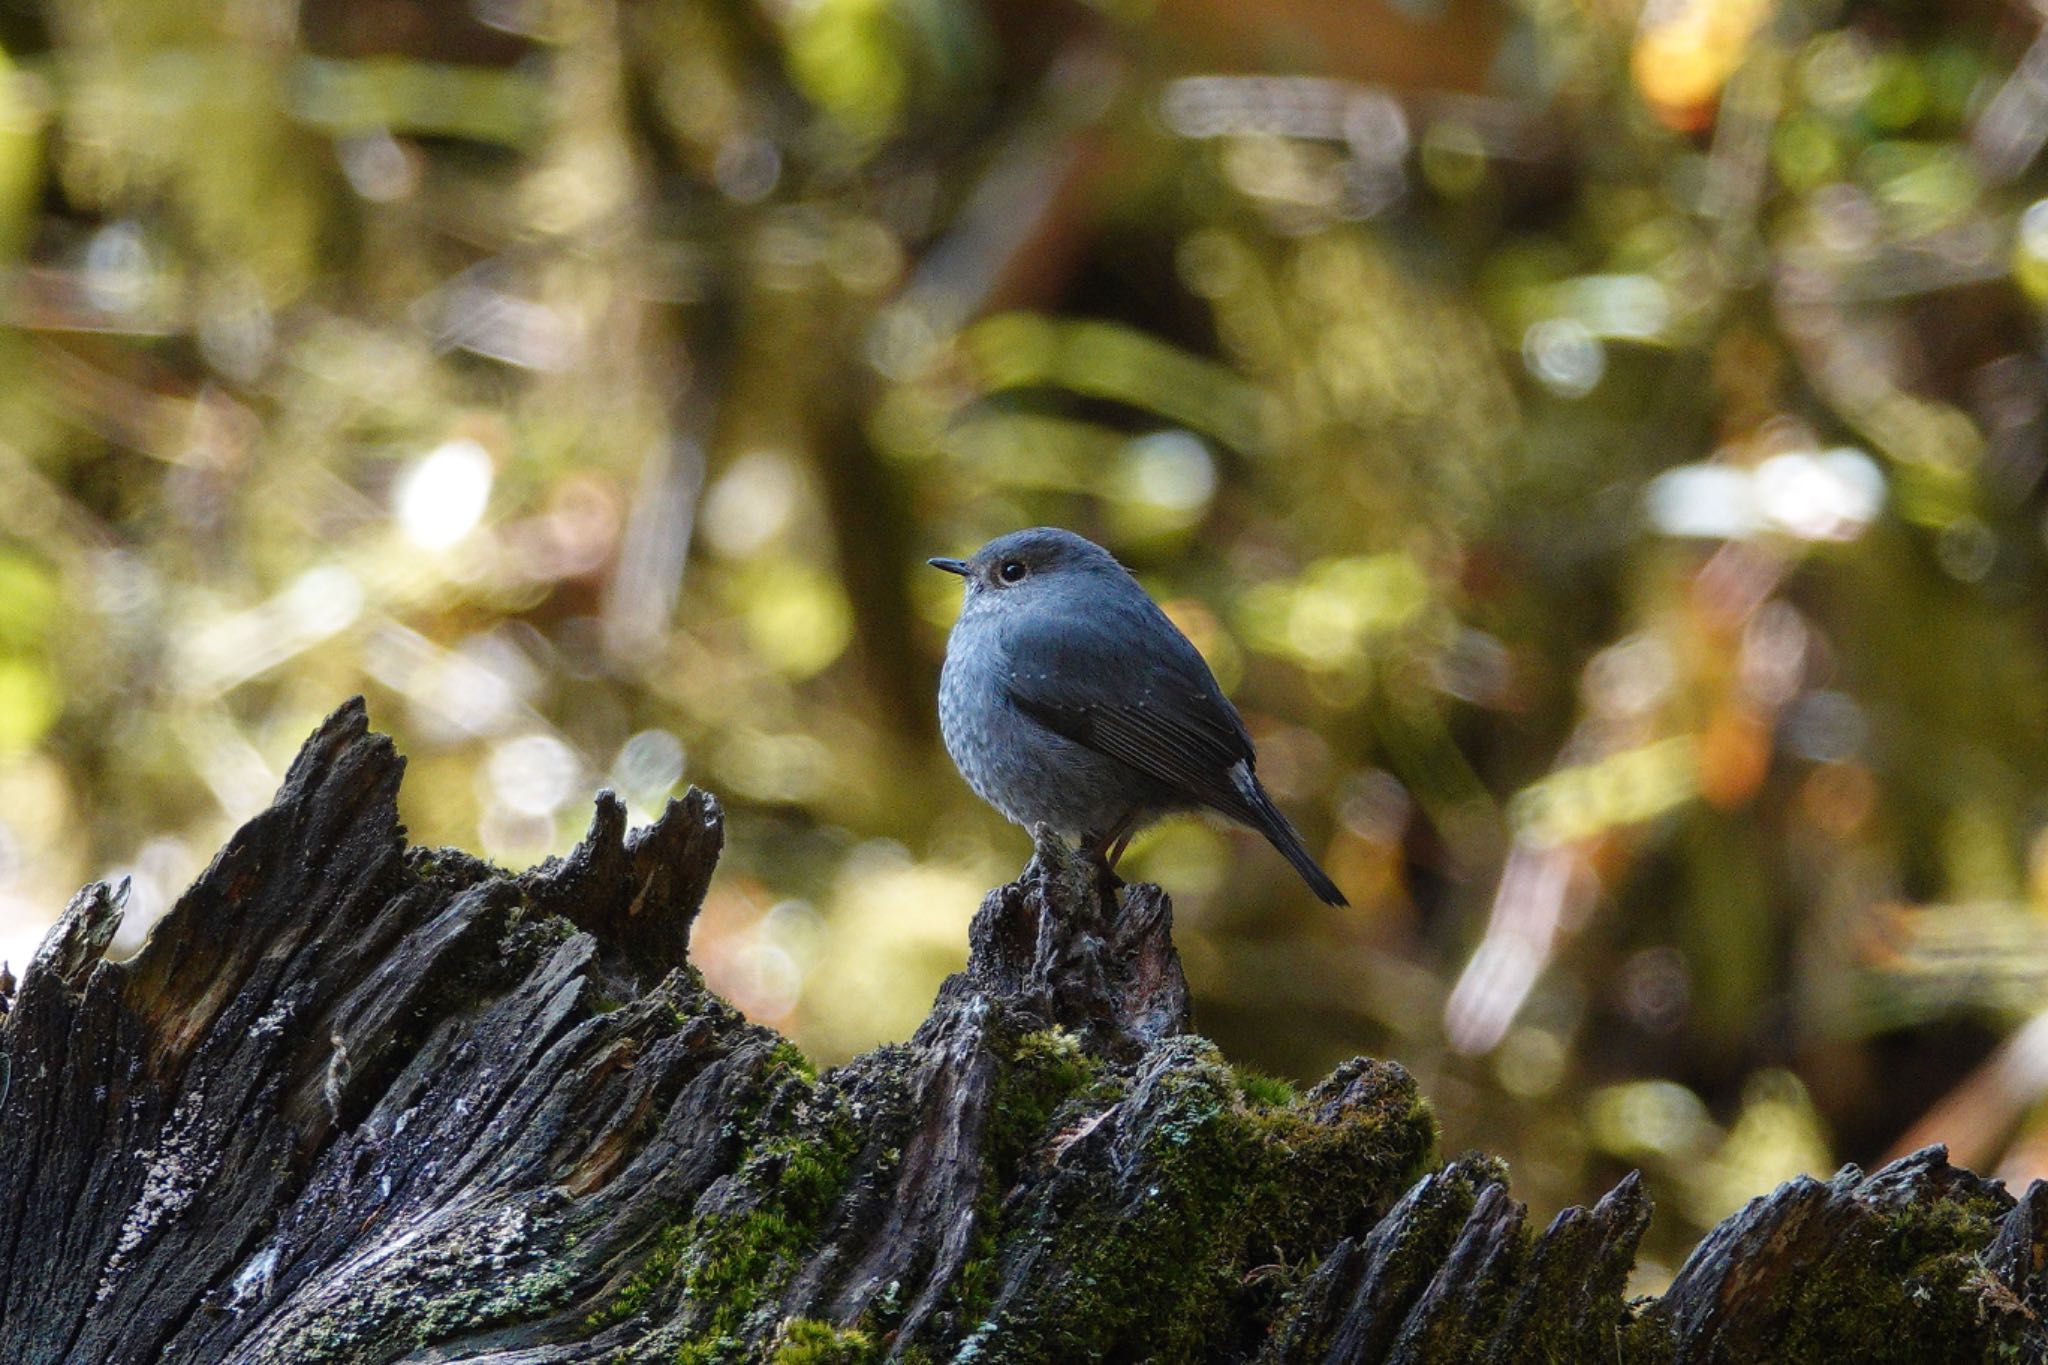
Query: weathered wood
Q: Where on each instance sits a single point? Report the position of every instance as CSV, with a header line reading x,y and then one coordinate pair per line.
x,y
359,1102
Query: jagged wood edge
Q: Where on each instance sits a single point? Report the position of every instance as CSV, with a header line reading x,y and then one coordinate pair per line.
x,y
356,1102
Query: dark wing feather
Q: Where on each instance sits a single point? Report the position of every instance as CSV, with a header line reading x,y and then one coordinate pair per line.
x,y
1155,708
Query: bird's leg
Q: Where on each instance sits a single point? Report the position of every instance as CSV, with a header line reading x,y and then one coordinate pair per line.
x,y
1123,841
1106,848
1109,844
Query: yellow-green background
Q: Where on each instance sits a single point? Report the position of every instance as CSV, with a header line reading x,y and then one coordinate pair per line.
x,y
587,383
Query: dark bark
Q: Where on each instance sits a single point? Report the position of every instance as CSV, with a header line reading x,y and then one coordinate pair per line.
x,y
359,1102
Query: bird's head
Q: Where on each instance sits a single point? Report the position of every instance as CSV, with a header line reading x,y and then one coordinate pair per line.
x,y
1024,565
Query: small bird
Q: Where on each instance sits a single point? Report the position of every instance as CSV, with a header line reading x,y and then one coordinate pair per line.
x,y
1069,699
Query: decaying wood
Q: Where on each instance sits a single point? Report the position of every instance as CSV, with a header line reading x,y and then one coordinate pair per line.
x,y
359,1102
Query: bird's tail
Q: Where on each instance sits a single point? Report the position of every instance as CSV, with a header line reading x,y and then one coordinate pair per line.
x,y
1279,831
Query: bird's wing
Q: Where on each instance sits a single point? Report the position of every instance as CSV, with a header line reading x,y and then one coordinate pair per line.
x,y
1156,708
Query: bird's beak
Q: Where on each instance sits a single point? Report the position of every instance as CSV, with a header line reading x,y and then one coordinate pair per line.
x,y
958,566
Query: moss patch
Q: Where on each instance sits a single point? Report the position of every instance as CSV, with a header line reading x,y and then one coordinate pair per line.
x,y
790,1057
735,1262
1210,1187
1261,1089
719,1272
1912,1264
806,1341
1044,1071
657,1270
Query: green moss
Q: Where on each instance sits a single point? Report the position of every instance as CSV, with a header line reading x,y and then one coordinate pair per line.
x,y
711,1351
1044,1070
806,1341
735,1264
1643,1336
1434,1214
1215,1188
657,1270
1915,1265
1901,1284
734,1260
787,1056
976,1287
726,1267
1052,1045
1259,1088
1310,1182
528,932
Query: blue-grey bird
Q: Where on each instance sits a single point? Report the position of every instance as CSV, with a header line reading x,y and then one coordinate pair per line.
x,y
1069,699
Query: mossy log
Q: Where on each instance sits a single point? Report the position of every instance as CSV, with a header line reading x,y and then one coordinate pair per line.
x,y
360,1102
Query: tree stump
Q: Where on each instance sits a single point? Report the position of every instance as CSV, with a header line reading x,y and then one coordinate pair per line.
x,y
360,1102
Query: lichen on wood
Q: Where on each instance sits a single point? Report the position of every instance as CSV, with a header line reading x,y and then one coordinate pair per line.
x,y
359,1102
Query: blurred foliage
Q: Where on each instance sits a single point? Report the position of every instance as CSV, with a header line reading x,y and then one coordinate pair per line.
x,y
1599,445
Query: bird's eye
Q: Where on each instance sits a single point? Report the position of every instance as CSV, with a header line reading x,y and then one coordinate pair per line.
x,y
1013,571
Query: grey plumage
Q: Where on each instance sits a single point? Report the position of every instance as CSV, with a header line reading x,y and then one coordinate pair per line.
x,y
1069,699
